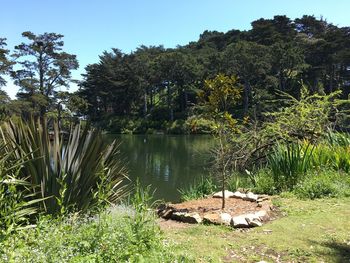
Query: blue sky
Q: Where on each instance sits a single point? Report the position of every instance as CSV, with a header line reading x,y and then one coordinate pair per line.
x,y
92,26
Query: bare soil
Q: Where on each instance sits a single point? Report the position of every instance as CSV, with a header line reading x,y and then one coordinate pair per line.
x,y
233,206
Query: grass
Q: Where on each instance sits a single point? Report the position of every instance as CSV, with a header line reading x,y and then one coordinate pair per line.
x,y
310,231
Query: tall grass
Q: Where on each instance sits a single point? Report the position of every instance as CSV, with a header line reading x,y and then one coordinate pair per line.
x,y
18,197
199,189
335,156
289,163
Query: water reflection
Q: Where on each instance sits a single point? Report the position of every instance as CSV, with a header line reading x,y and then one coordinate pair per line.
x,y
166,162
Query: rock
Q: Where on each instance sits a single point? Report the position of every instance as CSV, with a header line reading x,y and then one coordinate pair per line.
x,y
217,219
262,215
228,194
255,223
263,198
253,220
211,219
238,195
239,222
251,197
191,218
225,219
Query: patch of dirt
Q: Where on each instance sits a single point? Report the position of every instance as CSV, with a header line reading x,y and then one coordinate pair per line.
x,y
167,224
233,206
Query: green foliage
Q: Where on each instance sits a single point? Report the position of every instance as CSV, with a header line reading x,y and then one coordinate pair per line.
x,y
337,138
307,118
44,67
289,163
220,93
336,157
217,98
205,186
178,127
238,180
18,197
108,238
200,125
79,174
264,182
5,63
323,183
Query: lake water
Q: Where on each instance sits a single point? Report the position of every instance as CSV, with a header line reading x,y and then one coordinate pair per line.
x,y
168,163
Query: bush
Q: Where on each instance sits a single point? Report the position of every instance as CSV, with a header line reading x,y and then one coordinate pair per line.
x,y
203,187
238,180
333,156
124,234
264,182
80,174
289,163
200,125
177,127
327,183
108,238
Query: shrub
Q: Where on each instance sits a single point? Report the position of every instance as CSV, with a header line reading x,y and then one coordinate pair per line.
x,y
108,238
316,186
124,234
79,174
264,182
289,163
200,125
205,186
238,180
333,156
177,127
323,183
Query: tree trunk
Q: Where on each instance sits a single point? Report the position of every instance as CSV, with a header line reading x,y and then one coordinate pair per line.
x,y
282,83
246,97
186,99
331,80
170,108
41,83
223,190
145,109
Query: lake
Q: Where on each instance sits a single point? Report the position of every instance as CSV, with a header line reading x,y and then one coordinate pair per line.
x,y
166,162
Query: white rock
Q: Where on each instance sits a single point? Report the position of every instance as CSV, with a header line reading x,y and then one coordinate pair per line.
x,y
212,218
255,223
238,195
250,217
228,194
262,215
225,218
191,218
239,221
252,220
251,197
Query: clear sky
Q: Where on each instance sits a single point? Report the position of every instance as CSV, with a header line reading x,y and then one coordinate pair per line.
x,y
92,26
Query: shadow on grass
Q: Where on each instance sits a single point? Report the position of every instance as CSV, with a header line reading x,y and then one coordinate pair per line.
x,y
340,252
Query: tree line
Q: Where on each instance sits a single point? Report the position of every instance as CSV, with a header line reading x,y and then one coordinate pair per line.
x,y
154,86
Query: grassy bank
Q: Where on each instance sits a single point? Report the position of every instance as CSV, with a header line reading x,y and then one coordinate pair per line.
x,y
309,231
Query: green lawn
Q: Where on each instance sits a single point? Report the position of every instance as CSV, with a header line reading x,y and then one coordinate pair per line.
x,y
309,231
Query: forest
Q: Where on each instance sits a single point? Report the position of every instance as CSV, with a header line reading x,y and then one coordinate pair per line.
x,y
156,88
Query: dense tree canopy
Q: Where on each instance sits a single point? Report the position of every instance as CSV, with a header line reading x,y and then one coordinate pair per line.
x,y
154,86
5,63
161,84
